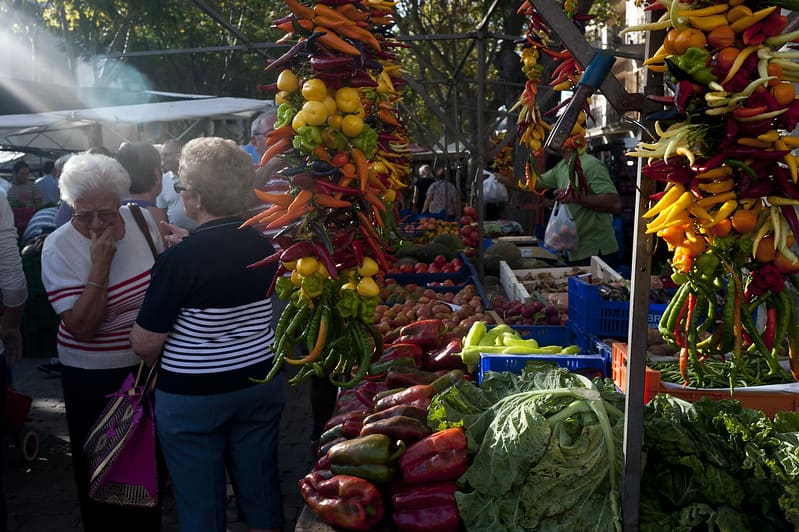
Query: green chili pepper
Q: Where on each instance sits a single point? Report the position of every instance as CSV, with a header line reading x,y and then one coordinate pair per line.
x,y
284,288
348,303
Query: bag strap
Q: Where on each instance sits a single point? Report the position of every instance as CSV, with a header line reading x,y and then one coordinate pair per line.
x,y
149,380
135,210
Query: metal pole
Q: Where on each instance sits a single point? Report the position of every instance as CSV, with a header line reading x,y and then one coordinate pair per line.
x,y
639,310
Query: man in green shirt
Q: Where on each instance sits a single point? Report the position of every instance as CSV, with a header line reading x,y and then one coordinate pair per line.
x,y
592,210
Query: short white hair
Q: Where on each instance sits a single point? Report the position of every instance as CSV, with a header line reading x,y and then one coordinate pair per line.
x,y
88,172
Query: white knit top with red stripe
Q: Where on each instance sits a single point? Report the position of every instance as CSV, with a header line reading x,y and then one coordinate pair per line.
x,y
66,262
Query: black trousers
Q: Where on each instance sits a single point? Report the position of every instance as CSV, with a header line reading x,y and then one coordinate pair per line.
x,y
85,396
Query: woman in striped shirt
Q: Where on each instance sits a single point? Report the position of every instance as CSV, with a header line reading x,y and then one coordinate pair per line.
x,y
95,270
206,315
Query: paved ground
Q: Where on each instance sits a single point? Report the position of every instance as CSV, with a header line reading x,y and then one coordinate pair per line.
x,y
41,496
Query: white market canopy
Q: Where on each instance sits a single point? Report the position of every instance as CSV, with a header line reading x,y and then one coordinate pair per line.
x,y
67,129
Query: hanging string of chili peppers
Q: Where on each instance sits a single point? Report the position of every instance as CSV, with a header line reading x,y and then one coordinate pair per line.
x,y
345,153
532,125
728,207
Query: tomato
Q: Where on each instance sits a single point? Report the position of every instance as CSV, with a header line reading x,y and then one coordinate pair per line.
x,y
766,250
722,228
314,113
352,125
406,268
673,235
440,260
689,38
470,211
668,42
314,89
348,100
726,57
721,37
465,220
420,267
783,93
287,80
744,221
784,265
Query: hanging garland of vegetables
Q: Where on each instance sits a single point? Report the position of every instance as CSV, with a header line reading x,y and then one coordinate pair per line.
x,y
727,210
345,154
532,127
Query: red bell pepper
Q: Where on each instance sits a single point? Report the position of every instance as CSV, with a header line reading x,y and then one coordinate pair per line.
x,y
366,391
440,456
426,508
341,418
408,429
418,395
402,350
407,376
426,333
399,410
347,402
444,358
343,500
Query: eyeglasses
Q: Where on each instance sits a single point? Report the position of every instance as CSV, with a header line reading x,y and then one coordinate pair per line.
x,y
106,216
179,187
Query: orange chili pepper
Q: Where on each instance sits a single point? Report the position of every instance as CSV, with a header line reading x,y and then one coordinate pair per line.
x,y
257,218
287,218
361,166
301,200
300,11
326,200
283,200
283,132
329,38
278,147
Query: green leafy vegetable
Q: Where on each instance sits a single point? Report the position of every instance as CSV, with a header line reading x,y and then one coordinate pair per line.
x,y
714,465
547,450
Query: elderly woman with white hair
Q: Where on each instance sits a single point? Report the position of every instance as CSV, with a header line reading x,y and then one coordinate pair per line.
x,y
96,269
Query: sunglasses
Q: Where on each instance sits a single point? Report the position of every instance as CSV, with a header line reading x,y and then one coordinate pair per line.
x,y
106,216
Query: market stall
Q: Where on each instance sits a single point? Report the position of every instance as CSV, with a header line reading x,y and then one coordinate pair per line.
x,y
437,394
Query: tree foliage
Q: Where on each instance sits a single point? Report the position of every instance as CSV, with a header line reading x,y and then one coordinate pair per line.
x,y
95,27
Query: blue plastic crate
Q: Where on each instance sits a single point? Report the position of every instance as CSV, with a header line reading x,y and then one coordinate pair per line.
x,y
589,365
655,312
593,314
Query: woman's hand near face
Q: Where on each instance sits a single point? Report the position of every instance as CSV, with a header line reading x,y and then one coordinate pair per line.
x,y
103,246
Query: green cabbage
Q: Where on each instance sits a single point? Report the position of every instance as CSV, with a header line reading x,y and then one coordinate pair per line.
x,y
547,450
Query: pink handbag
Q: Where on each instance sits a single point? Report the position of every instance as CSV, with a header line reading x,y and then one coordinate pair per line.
x,y
121,446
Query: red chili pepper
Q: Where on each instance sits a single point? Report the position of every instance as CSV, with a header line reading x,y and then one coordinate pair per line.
x,y
324,256
771,325
279,273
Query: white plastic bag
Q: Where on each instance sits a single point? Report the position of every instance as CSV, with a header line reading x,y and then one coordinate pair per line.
x,y
493,190
561,231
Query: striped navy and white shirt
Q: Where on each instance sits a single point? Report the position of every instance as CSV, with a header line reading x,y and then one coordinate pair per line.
x,y
213,309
